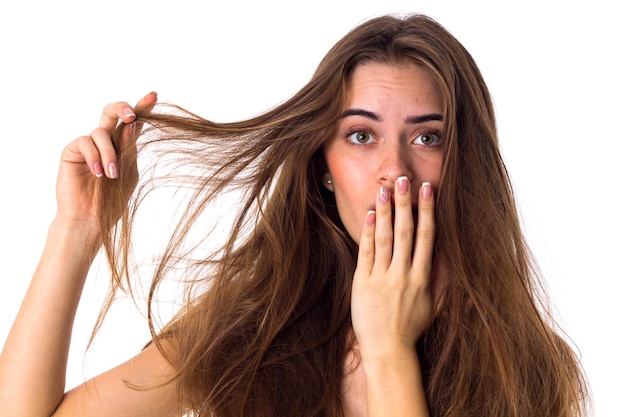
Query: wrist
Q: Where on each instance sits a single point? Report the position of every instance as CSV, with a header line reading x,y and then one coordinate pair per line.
x,y
387,359
394,383
389,350
81,236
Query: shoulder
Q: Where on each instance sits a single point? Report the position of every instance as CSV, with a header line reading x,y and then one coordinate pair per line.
x,y
142,386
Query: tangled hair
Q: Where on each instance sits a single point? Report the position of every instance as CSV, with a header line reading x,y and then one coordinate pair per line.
x,y
265,328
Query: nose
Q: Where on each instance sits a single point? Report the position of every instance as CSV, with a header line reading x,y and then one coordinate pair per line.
x,y
394,163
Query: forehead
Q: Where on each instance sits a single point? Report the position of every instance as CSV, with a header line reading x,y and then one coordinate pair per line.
x,y
374,81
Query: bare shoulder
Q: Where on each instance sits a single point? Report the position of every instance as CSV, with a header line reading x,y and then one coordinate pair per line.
x,y
138,387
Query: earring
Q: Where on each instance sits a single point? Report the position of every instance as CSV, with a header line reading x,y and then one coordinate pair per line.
x,y
328,182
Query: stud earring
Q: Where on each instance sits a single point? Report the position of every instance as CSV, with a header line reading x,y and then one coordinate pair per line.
x,y
328,182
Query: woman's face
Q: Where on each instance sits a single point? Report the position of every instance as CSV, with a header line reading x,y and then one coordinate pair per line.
x,y
390,126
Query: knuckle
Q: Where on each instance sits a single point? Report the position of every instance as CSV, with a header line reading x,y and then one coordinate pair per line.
x,y
84,144
397,281
109,108
366,252
98,132
426,234
403,202
427,209
82,139
404,235
384,241
368,233
112,107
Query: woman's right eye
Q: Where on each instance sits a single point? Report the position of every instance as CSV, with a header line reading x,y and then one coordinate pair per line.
x,y
361,137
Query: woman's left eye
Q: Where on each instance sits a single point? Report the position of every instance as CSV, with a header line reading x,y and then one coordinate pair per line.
x,y
360,137
427,139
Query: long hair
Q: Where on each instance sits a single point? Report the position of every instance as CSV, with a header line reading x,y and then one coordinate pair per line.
x,y
265,327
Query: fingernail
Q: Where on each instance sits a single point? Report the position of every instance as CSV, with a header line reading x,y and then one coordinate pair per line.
x,y
403,185
113,170
128,112
383,194
427,191
97,169
371,217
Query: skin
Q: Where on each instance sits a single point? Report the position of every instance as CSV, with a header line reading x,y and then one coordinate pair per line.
x,y
387,145
395,147
34,357
391,303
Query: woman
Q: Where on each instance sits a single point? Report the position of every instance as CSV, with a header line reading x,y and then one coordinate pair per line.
x,y
333,295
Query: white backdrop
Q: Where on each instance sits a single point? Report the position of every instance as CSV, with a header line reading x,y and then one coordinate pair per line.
x,y
556,73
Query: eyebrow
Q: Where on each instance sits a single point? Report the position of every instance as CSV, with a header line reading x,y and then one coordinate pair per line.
x,y
376,117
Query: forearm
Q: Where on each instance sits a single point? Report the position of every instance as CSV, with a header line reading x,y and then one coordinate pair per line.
x,y
34,357
395,387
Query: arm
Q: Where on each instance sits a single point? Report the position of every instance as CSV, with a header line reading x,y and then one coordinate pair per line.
x,y
392,304
33,361
34,357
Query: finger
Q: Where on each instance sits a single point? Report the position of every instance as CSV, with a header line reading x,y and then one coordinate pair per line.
x,y
84,151
144,105
366,255
403,230
383,231
425,236
108,156
147,102
113,112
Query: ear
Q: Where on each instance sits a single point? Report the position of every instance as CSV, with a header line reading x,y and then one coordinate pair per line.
x,y
328,182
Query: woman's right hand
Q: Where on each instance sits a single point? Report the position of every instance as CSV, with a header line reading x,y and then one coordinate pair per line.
x,y
89,159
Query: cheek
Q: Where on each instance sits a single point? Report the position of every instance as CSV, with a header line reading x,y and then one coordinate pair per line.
x,y
351,195
351,178
344,180
430,171
353,204
346,172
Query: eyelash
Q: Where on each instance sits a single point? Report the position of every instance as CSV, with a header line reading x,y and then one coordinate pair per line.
x,y
424,132
355,131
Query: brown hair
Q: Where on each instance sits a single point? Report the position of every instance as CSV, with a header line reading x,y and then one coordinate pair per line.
x,y
264,330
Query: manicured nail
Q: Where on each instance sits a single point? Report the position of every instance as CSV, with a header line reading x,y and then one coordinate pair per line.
x,y
371,217
427,191
113,170
383,194
128,112
97,169
403,185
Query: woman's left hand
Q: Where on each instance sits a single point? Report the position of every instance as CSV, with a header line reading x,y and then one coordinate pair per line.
x,y
392,302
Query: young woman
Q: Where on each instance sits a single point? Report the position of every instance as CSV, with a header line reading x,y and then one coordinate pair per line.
x,y
334,294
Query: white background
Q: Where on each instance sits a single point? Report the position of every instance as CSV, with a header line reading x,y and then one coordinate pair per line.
x,y
556,72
